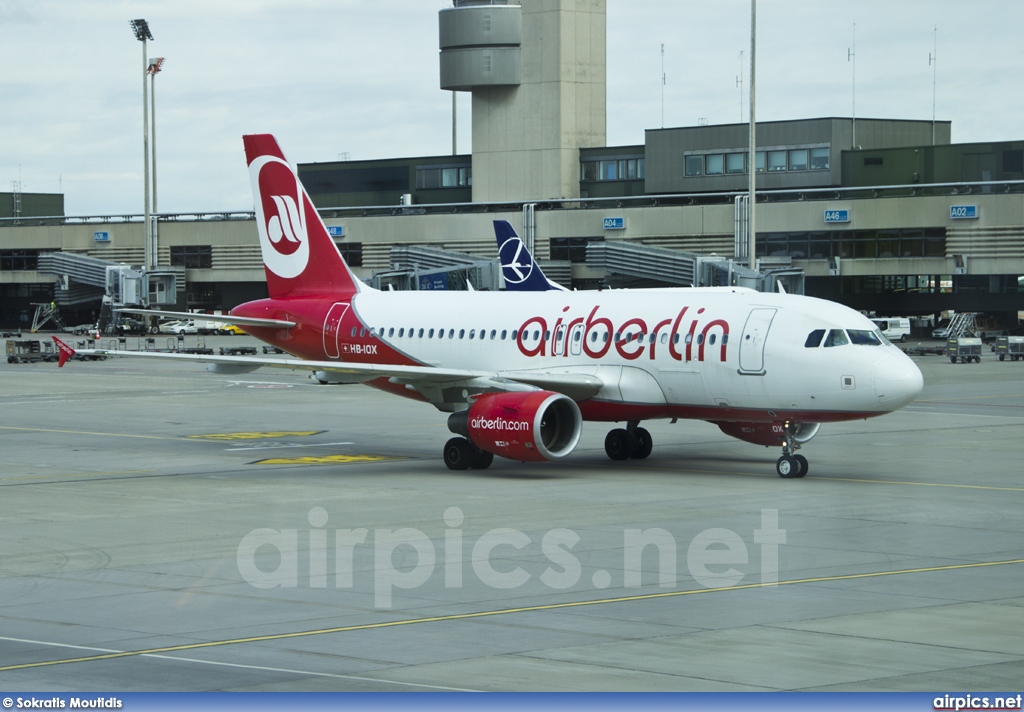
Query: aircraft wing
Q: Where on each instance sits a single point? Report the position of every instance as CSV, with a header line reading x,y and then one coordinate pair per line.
x,y
426,379
226,318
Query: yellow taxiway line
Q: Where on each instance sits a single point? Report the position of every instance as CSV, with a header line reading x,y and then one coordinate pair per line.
x,y
498,612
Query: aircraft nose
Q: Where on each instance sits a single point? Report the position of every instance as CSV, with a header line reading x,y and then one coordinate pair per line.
x,y
898,381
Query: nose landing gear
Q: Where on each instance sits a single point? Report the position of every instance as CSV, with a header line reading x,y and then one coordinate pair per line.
x,y
790,465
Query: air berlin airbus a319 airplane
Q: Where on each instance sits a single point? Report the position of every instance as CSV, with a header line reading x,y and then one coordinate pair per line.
x,y
520,372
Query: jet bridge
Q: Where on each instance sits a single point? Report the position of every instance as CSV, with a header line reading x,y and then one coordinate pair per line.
x,y
420,267
83,280
629,264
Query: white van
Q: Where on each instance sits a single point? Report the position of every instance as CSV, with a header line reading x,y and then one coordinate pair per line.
x,y
894,328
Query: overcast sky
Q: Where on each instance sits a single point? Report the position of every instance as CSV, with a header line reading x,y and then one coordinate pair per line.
x,y
360,77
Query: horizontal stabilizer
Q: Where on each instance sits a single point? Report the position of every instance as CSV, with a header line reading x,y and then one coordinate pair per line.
x,y
226,318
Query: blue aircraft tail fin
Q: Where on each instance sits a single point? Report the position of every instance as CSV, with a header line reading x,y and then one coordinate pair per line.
x,y
521,272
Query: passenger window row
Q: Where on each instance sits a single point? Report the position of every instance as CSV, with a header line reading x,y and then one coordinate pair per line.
x,y
423,333
535,334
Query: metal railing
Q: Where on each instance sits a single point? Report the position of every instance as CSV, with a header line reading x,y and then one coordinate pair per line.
x,y
713,198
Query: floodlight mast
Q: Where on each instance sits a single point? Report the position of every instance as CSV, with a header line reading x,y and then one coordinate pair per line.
x,y
155,65
142,34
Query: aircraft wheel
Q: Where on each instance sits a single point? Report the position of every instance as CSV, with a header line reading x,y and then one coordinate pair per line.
x,y
644,444
801,461
458,454
619,444
481,460
787,467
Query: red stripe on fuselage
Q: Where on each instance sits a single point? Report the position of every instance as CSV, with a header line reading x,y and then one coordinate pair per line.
x,y
610,411
348,338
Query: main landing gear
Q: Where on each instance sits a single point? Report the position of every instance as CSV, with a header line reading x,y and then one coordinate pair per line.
x,y
629,442
790,465
461,454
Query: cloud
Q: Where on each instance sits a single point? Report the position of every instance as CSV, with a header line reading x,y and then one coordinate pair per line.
x,y
361,77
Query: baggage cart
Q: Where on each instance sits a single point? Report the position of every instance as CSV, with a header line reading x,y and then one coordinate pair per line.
x,y
964,348
1012,346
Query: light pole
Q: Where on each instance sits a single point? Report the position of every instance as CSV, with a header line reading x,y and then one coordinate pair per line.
x,y
153,69
751,198
142,33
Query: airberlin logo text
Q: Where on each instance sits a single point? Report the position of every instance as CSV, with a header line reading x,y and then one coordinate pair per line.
x,y
498,424
688,336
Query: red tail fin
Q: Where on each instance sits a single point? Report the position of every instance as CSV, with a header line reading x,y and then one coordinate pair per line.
x,y
65,352
299,256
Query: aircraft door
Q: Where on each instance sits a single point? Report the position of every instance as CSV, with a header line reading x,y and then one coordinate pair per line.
x,y
332,328
558,342
755,331
576,340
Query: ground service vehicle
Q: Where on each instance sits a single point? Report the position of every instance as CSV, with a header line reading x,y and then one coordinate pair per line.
x,y
894,328
29,351
230,330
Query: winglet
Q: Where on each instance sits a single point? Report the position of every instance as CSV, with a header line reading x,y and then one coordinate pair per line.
x,y
520,270
66,352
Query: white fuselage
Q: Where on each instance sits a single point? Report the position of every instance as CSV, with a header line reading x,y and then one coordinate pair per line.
x,y
721,350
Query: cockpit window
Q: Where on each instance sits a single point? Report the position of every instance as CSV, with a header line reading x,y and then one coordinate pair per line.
x,y
882,337
836,337
863,337
814,339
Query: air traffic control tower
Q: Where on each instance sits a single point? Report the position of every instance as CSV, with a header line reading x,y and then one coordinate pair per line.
x,y
536,70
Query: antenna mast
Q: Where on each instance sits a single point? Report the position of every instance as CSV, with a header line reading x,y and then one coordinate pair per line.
x,y
739,85
933,62
662,85
851,56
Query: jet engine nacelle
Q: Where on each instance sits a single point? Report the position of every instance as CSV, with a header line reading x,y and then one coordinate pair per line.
x,y
527,426
768,434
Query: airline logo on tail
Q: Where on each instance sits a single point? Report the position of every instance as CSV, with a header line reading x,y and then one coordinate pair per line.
x,y
280,217
516,262
521,272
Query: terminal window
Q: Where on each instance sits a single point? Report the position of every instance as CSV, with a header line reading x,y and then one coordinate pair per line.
x,y
776,161
352,252
18,260
429,177
608,169
192,256
714,164
819,159
863,244
772,161
1013,161
736,163
798,159
573,249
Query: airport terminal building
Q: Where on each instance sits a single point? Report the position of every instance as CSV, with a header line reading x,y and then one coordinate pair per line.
x,y
883,215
